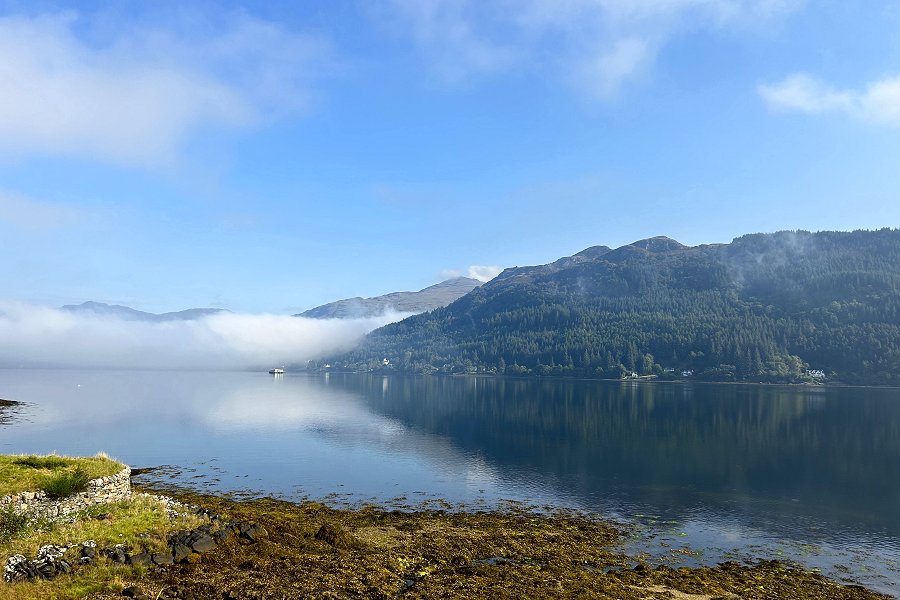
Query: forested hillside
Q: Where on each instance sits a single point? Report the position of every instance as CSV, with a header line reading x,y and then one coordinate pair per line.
x,y
766,307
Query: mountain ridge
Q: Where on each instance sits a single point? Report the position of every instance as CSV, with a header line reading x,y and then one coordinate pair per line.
x,y
126,313
764,307
429,298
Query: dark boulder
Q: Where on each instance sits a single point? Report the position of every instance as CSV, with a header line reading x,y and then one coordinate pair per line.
x,y
251,531
142,559
162,559
118,554
204,543
180,552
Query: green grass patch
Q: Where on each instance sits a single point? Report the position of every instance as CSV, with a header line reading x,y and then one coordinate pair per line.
x,y
11,524
42,462
61,473
140,523
66,483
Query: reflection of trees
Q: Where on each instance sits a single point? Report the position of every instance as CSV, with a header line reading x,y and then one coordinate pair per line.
x,y
839,448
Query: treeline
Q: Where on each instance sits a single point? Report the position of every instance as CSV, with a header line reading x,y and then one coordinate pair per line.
x,y
767,307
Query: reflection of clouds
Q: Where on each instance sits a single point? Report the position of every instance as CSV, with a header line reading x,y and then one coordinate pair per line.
x,y
318,410
308,410
297,405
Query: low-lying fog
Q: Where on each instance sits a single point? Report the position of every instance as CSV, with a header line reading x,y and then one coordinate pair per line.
x,y
37,336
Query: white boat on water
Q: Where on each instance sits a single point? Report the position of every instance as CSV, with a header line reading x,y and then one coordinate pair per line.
x,y
276,371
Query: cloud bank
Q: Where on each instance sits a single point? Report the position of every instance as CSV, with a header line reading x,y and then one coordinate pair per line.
x,y
878,103
132,97
598,46
35,336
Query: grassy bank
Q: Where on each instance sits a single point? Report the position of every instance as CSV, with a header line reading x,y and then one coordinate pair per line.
x,y
55,474
140,523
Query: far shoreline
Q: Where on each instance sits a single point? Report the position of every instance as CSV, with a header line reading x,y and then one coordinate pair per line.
x,y
642,380
787,384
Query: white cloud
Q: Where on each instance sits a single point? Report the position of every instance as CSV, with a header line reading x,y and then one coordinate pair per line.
x,y
479,272
484,273
878,103
446,29
597,45
35,336
881,102
802,92
134,99
603,73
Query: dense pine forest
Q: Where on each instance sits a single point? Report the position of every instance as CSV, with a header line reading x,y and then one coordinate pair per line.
x,y
783,307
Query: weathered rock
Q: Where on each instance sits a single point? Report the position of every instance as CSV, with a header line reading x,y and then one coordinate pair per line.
x,y
204,543
143,559
180,552
162,559
180,537
49,562
47,565
118,554
88,553
252,531
16,569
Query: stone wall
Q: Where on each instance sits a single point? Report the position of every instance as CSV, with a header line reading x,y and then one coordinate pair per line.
x,y
99,491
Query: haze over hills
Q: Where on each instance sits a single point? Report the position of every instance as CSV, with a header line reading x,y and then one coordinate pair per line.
x,y
430,298
130,314
766,307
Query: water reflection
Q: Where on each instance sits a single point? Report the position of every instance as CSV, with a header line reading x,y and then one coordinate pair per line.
x,y
292,437
719,466
835,452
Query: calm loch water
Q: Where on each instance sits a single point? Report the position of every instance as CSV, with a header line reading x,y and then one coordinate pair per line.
x,y
702,473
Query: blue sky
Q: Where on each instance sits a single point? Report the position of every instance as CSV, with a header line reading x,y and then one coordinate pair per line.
x,y
273,156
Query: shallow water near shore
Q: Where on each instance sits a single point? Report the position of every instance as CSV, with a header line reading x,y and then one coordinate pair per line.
x,y
702,473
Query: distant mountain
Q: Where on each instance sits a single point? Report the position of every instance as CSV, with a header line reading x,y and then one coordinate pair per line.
x,y
129,314
430,298
785,307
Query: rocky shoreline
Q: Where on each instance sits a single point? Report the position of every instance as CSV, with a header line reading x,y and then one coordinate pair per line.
x,y
255,549
312,550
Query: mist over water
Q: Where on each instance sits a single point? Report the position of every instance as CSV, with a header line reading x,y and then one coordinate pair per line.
x,y
36,336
